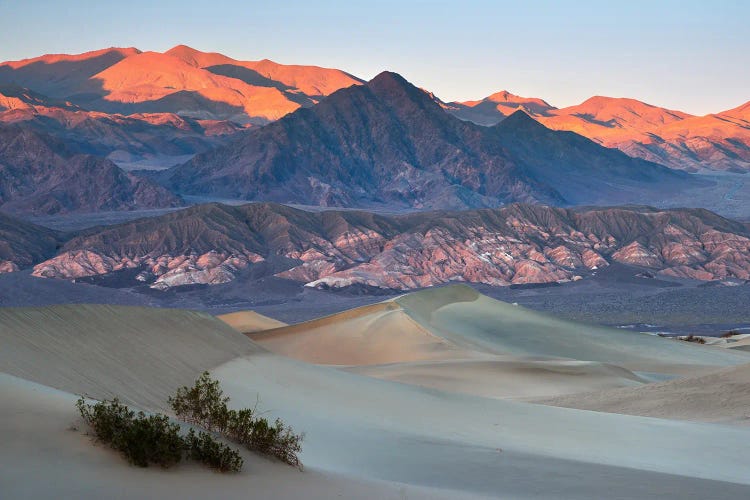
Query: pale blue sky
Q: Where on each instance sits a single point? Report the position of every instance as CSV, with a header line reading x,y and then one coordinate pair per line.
x,y
688,55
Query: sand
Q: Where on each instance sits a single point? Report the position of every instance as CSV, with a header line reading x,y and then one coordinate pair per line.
x,y
372,428
375,334
456,339
506,378
250,321
42,456
366,437
140,354
722,396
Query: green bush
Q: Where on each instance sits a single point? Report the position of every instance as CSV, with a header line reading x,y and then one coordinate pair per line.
x,y
204,405
205,449
153,439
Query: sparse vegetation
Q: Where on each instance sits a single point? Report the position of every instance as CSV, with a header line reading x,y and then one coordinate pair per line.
x,y
205,405
730,333
203,448
154,439
693,338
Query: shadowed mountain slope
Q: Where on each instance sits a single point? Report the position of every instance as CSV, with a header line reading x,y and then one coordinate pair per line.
x,y
39,175
124,139
22,244
389,143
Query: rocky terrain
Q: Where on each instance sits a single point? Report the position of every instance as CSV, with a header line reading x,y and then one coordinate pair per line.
x,y
40,175
518,244
388,143
719,141
22,244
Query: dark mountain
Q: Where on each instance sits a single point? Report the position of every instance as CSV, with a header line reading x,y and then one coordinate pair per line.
x,y
389,143
23,244
160,139
39,175
516,244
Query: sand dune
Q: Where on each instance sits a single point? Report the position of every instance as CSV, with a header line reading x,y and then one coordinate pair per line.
x,y
722,396
455,339
373,428
474,321
250,321
101,351
66,464
365,437
506,378
374,334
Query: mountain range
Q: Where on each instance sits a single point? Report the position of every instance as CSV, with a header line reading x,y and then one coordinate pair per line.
x,y
75,126
181,80
516,244
210,86
678,140
387,143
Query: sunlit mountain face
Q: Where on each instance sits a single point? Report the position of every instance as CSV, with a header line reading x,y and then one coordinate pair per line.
x,y
719,141
181,80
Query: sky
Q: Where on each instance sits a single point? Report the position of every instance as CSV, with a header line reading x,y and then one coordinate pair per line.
x,y
688,55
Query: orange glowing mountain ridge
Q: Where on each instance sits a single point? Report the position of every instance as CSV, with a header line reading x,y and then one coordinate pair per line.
x,y
182,80
679,140
216,89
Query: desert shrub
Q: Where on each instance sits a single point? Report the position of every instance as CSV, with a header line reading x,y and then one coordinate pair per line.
x,y
275,439
730,333
204,405
141,439
153,439
693,338
106,418
203,448
150,439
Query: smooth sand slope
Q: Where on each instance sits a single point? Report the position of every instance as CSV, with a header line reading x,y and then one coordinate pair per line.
x,y
43,457
101,351
365,437
455,339
374,334
722,396
365,427
250,321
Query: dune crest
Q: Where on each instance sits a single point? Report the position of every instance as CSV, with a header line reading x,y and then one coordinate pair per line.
x,y
453,338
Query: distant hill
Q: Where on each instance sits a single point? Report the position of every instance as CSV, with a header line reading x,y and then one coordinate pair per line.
x,y
40,175
23,244
517,244
148,138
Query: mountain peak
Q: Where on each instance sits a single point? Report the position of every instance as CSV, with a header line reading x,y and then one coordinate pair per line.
x,y
389,78
506,97
391,86
518,119
197,58
182,48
